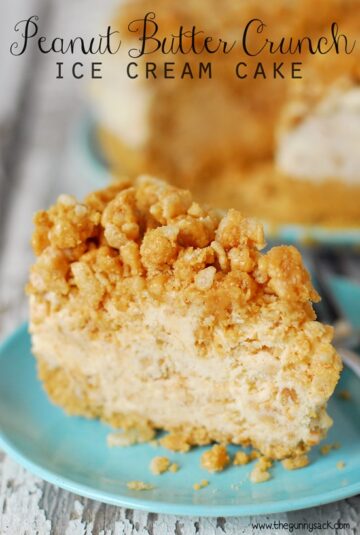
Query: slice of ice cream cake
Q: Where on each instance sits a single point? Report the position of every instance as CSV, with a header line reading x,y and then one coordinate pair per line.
x,y
150,310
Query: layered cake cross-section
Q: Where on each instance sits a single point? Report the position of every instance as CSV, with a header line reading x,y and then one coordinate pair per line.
x,y
150,311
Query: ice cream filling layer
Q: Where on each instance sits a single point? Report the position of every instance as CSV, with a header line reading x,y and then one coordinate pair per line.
x,y
326,143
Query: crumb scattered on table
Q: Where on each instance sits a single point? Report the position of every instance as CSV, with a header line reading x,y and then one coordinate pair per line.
x,y
215,459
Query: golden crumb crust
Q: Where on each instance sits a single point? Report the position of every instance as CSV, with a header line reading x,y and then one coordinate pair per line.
x,y
151,237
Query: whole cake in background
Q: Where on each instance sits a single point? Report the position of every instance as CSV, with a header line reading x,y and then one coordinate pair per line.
x,y
314,176
249,144
150,311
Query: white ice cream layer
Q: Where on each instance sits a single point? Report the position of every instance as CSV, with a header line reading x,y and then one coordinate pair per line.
x,y
326,144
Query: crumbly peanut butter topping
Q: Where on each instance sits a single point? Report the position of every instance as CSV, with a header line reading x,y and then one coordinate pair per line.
x,y
149,239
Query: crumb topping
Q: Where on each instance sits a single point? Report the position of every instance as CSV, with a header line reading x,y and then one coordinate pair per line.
x,y
215,459
150,239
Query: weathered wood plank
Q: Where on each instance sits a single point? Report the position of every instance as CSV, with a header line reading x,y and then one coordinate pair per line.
x,y
30,506
20,493
15,99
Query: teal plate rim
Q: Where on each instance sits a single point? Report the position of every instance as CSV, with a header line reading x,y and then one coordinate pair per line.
x,y
199,510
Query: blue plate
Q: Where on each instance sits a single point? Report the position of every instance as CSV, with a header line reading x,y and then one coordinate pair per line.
x,y
71,452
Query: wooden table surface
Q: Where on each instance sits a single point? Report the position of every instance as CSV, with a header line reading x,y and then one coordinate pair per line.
x,y
39,118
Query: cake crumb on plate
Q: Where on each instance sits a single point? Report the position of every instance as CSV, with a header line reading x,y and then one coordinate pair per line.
x,y
174,467
139,485
175,442
260,472
295,462
159,465
203,483
129,437
241,458
326,448
215,459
